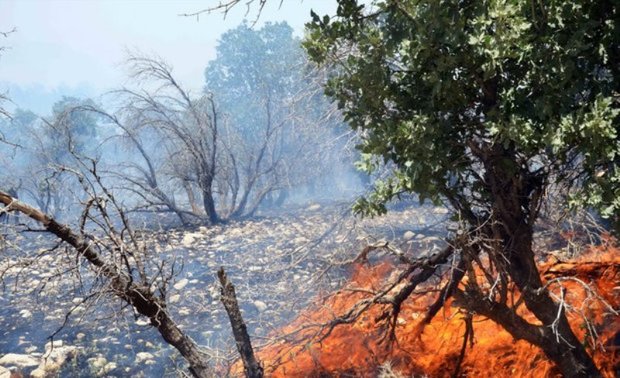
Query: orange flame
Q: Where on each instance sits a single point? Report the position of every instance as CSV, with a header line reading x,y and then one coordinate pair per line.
x,y
433,350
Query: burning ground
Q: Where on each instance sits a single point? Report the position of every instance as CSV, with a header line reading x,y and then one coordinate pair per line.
x,y
296,274
279,264
317,347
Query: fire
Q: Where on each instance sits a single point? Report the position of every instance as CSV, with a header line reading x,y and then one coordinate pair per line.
x,y
360,349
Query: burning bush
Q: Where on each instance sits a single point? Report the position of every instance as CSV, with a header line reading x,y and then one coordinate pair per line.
x,y
453,343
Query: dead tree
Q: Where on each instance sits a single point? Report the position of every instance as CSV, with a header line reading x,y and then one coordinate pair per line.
x,y
122,263
252,367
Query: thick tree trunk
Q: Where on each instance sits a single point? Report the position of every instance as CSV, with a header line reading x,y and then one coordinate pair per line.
x,y
559,341
515,195
209,205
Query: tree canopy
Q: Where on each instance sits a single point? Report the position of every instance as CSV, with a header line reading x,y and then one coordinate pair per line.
x,y
487,107
430,83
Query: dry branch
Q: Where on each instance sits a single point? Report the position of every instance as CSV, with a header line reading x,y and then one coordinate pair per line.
x,y
252,367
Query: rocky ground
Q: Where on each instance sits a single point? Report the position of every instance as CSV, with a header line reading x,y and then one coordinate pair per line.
x,y
278,262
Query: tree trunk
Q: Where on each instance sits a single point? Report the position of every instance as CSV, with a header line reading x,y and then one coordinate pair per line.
x,y
515,202
191,197
560,343
251,366
209,205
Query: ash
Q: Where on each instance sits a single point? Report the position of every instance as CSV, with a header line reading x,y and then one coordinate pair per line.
x,y
280,263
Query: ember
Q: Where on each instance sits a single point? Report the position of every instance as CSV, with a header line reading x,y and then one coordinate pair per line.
x,y
361,348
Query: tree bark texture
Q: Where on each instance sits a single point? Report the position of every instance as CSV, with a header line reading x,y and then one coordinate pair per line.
x,y
252,367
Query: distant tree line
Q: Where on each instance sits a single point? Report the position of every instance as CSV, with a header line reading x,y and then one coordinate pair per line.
x,y
260,132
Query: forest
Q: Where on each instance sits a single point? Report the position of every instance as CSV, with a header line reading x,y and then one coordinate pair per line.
x,y
401,188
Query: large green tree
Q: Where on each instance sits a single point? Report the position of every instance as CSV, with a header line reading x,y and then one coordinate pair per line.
x,y
485,105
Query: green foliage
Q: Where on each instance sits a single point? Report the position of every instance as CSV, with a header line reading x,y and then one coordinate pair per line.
x,y
425,81
251,68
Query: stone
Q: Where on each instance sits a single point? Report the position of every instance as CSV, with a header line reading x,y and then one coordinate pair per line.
x,y
97,362
38,373
54,358
55,344
408,235
260,306
314,207
181,284
108,368
174,298
18,360
4,372
144,357
190,238
25,314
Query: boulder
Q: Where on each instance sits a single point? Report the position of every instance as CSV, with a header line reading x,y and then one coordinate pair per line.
x,y
144,357
260,306
181,284
18,360
408,235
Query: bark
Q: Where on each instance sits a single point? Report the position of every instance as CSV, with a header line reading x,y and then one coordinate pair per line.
x,y
560,343
209,204
515,194
190,196
139,296
252,367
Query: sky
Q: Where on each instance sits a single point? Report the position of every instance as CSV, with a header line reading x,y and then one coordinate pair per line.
x,y
80,45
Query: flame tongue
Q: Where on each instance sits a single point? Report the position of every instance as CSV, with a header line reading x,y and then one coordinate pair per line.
x,y
360,348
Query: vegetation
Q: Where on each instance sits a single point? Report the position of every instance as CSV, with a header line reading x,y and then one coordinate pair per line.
x,y
487,107
499,110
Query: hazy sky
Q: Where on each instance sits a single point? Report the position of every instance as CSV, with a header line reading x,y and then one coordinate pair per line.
x,y
72,43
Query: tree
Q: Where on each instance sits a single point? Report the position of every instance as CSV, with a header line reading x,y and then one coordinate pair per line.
x,y
189,132
486,106
279,123
49,144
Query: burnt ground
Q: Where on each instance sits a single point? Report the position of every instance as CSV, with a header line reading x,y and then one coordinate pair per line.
x,y
279,263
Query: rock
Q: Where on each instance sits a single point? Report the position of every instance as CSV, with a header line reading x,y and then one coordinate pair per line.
x,y
100,366
190,238
38,373
53,345
174,298
25,314
18,360
143,357
260,305
97,362
4,372
441,210
54,358
108,368
408,235
181,284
